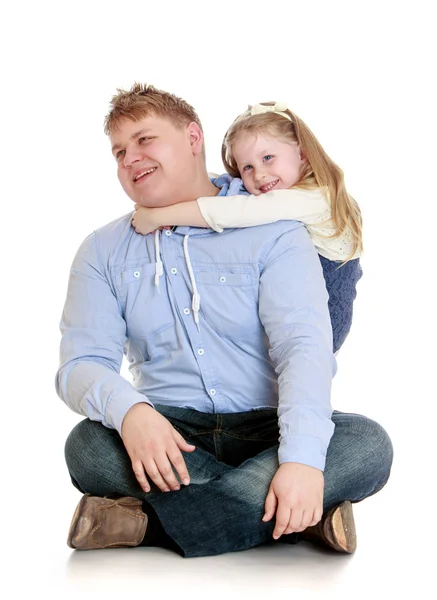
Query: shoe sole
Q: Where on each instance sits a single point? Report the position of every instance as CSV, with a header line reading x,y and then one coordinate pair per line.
x,y
75,520
343,528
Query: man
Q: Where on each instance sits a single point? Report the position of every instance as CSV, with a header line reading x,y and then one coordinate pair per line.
x,y
227,355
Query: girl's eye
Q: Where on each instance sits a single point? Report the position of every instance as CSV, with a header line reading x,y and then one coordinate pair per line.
x,y
268,157
247,167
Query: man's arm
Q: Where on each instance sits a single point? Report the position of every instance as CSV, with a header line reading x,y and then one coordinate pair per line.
x,y
294,311
293,307
89,380
93,337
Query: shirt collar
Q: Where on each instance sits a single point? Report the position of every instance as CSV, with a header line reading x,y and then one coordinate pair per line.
x,y
222,182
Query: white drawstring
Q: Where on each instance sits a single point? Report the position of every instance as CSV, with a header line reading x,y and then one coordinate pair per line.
x,y
159,270
158,262
196,296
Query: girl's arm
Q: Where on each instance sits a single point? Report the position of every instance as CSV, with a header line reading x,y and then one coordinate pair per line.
x,y
145,220
310,207
307,206
221,212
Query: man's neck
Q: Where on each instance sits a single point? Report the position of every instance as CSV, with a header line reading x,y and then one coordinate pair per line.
x,y
198,189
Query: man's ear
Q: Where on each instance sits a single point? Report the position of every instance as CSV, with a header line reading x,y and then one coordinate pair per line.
x,y
196,138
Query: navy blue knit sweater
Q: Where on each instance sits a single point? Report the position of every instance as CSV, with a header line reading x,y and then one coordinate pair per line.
x,y
341,285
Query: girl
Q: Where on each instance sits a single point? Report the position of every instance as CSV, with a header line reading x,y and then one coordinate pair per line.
x,y
287,175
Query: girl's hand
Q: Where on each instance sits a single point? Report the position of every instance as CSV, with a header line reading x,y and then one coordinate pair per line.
x,y
144,220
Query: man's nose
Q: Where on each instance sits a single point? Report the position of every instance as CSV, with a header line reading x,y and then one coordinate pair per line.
x,y
131,156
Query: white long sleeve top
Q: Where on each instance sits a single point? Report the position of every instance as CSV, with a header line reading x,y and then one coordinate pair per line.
x,y
311,207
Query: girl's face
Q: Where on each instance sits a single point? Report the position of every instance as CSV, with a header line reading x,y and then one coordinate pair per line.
x,y
267,163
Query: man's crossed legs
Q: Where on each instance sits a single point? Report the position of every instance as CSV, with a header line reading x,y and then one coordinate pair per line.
x,y
231,469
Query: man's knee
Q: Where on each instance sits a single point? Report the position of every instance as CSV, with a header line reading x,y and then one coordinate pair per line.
x,y
374,445
359,457
94,452
80,443
382,449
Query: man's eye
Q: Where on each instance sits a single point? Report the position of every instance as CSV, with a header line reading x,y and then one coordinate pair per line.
x,y
247,167
119,154
268,157
142,139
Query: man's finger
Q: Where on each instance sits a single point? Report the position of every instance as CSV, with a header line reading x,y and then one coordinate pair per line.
x,y
138,469
282,520
177,460
296,519
166,470
307,517
270,506
155,475
181,443
316,517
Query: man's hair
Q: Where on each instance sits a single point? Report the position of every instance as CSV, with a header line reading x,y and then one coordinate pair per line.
x,y
143,100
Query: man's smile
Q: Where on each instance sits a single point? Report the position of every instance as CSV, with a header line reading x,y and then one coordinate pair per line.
x,y
140,175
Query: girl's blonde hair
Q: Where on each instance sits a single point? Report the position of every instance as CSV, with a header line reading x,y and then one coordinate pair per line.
x,y
318,171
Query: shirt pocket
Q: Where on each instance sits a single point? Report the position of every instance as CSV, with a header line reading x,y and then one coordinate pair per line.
x,y
147,309
229,301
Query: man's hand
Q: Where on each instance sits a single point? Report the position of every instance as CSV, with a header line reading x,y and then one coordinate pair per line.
x,y
296,495
144,220
154,445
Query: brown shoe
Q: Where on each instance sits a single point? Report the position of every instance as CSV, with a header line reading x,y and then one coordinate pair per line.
x,y
336,529
107,523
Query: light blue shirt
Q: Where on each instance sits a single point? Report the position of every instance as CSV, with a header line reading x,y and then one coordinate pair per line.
x,y
263,337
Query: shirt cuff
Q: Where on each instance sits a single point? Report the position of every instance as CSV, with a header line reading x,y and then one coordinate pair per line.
x,y
303,449
117,409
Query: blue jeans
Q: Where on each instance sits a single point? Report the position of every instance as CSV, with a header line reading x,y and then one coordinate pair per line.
x,y
231,469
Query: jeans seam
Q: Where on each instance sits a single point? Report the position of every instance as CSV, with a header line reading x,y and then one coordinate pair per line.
x,y
250,439
204,432
217,445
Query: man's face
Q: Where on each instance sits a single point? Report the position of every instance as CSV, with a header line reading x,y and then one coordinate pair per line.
x,y
154,159
266,163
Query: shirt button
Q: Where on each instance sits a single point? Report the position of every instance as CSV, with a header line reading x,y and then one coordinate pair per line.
x,y
222,279
201,351
186,311
174,271
212,392
168,232
136,274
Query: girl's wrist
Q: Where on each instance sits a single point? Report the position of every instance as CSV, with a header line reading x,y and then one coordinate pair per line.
x,y
159,217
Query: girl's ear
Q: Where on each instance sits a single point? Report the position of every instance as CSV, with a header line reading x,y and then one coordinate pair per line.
x,y
302,155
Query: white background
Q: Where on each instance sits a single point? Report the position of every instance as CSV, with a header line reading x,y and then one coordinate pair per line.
x,y
361,75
